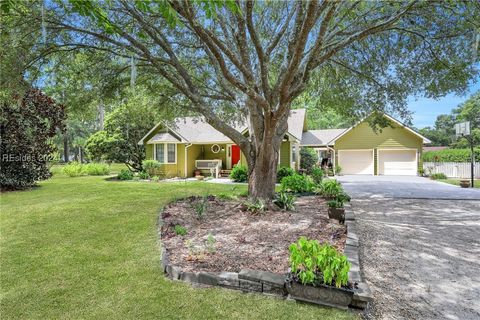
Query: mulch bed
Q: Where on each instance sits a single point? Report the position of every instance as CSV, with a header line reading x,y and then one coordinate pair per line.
x,y
243,240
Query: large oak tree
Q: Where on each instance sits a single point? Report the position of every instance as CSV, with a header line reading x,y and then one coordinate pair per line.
x,y
250,61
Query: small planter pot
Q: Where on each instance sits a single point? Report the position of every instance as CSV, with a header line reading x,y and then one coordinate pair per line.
x,y
337,214
320,294
197,172
465,183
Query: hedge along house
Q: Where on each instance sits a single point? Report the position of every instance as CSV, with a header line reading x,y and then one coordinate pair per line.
x,y
394,150
190,143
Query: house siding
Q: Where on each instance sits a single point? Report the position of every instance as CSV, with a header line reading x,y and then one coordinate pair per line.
x,y
363,137
170,170
194,152
284,155
209,155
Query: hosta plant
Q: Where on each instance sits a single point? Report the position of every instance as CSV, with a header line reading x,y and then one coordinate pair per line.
x,y
315,263
285,201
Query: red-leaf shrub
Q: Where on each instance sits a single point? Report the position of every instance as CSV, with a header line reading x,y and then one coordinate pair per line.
x,y
26,127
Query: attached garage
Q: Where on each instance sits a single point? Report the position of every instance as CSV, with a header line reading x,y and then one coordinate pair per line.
x,y
397,162
391,150
356,161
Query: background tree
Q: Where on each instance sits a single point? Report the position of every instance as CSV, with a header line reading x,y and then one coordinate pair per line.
x,y
27,126
252,59
129,121
308,159
443,133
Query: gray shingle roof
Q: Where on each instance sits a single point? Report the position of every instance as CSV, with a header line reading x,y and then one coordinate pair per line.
x,y
197,130
319,137
163,137
295,123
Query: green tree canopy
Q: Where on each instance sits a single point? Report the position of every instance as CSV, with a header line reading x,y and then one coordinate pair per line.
x,y
251,61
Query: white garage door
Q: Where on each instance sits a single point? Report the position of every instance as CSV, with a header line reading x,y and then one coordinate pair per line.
x,y
397,162
356,161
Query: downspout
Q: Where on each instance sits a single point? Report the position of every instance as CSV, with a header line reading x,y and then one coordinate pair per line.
x,y
334,160
187,145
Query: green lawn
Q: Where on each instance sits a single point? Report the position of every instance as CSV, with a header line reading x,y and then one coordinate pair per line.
x,y
457,182
83,248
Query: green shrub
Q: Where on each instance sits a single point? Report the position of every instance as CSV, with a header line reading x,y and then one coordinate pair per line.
x,y
155,178
438,176
255,207
73,169
125,174
96,169
226,196
335,204
27,125
317,175
210,243
239,173
313,263
338,169
152,167
297,183
450,155
180,230
308,159
285,201
342,196
330,188
284,172
143,175
200,206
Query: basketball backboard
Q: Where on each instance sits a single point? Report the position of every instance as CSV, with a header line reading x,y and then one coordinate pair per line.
x,y
462,129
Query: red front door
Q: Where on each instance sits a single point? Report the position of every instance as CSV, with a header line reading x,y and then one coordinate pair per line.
x,y
235,154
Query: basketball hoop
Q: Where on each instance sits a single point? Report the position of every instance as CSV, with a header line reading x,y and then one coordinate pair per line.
x,y
462,129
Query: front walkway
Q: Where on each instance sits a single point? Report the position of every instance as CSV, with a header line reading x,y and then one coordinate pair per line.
x,y
420,254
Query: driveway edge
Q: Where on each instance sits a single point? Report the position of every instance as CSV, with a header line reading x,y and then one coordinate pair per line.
x,y
363,294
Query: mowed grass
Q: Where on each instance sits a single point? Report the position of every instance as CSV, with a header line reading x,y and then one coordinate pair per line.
x,y
476,183
87,248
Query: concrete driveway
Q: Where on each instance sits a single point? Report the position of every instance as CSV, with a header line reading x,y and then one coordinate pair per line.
x,y
409,187
420,253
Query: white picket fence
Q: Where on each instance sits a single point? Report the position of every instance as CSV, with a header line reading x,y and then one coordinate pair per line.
x,y
452,169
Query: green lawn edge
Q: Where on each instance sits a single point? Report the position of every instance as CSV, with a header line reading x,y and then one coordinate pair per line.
x,y
87,248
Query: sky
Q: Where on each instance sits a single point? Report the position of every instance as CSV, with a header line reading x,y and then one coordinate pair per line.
x,y
425,111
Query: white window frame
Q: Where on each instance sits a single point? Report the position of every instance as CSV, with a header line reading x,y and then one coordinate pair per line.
x,y
165,154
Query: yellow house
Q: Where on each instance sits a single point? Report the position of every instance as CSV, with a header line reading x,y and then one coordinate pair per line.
x,y
190,143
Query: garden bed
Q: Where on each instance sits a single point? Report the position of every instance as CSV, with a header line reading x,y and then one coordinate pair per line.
x,y
229,238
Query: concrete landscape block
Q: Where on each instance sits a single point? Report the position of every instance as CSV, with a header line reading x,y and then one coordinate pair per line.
x,y
247,285
207,278
352,242
189,277
248,274
228,279
164,262
274,289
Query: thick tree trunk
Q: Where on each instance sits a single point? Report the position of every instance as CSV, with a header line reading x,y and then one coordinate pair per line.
x,y
263,163
263,175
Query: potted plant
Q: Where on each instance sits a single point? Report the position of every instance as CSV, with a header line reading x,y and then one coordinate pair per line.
x,y
318,274
335,206
465,183
336,210
197,172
